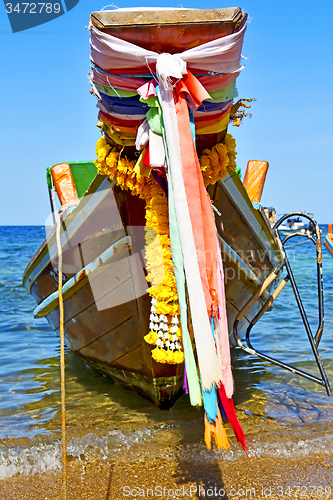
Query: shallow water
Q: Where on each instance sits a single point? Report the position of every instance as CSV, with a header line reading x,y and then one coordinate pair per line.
x,y
281,414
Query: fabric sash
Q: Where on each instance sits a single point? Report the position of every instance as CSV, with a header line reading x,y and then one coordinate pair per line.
x,y
220,56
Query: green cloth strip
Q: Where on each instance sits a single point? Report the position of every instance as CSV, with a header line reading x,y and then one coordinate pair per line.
x,y
225,94
154,115
83,172
119,92
221,95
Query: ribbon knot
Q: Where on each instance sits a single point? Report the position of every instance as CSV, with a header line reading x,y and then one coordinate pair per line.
x,y
169,66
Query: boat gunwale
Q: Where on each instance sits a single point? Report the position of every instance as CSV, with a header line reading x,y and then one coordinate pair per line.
x,y
81,277
50,239
265,228
252,281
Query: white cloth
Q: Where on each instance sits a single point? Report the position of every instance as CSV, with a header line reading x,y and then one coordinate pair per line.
x,y
156,150
169,66
142,135
220,56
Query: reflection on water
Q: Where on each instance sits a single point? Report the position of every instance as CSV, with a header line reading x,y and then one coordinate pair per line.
x,y
278,411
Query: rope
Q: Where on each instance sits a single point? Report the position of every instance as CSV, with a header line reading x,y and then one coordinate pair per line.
x,y
11,283
294,244
62,351
62,360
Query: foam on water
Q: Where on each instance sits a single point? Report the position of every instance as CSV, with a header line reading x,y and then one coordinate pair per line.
x,y
29,460
116,445
39,458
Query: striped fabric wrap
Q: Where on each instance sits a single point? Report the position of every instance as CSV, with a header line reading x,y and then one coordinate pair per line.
x,y
162,101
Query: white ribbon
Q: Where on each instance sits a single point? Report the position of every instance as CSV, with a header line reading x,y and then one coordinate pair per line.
x,y
221,55
169,66
142,135
210,369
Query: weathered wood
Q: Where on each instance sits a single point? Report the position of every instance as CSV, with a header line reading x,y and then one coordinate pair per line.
x,y
157,17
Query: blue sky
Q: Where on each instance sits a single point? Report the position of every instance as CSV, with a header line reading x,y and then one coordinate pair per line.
x,y
48,115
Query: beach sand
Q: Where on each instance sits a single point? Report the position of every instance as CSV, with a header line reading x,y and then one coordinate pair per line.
x,y
256,478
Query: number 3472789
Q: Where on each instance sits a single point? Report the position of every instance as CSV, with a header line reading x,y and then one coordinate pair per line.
x,y
33,8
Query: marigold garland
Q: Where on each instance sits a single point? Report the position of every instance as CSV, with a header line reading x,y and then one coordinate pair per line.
x,y
164,330
215,163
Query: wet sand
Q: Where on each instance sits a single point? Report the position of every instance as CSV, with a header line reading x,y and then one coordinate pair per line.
x,y
256,478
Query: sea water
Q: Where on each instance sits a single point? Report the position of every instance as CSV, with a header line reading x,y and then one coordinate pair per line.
x,y
282,414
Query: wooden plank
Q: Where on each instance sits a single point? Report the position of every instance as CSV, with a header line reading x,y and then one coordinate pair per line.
x,y
51,238
111,288
230,195
236,232
116,343
158,17
162,391
91,324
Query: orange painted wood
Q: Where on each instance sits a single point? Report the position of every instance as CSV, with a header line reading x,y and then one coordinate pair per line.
x,y
254,179
329,248
64,183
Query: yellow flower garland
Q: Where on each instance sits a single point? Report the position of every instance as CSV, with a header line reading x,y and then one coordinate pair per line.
x,y
165,332
158,247
215,163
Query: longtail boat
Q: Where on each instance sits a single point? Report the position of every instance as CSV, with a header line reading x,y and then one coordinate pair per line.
x,y
116,228
329,240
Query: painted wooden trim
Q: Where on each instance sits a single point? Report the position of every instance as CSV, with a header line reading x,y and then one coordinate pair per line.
x,y
250,278
237,194
74,220
80,279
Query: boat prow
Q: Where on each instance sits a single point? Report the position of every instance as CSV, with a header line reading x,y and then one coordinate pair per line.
x,y
329,240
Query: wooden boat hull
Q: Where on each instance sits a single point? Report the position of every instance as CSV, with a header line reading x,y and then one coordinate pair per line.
x,y
105,300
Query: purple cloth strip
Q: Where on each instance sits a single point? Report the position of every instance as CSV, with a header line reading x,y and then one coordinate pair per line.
x,y
214,106
161,181
185,386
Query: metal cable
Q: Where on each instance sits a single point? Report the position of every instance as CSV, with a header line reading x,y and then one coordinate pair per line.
x,y
294,244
